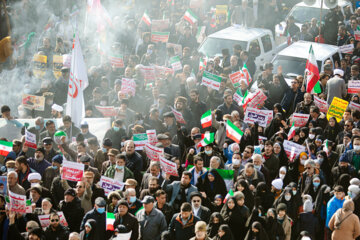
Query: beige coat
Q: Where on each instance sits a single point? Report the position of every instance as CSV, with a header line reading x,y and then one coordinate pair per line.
x,y
287,227
349,228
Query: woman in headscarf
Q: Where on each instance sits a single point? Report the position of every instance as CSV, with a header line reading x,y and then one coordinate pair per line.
x,y
288,198
243,186
344,180
216,220
212,184
332,129
255,217
224,233
256,232
89,232
280,153
325,167
273,228
232,216
283,175
274,126
263,196
304,132
296,194
313,188
344,223
278,109
217,204
320,206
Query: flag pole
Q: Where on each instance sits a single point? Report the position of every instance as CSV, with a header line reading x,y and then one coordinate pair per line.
x,y
321,8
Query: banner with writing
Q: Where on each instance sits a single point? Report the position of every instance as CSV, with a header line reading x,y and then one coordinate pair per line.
x,y
175,63
211,80
253,115
300,119
168,167
17,202
354,86
128,86
33,102
291,146
153,153
178,116
152,138
72,171
109,185
30,139
354,106
321,104
337,108
140,140
107,111
160,36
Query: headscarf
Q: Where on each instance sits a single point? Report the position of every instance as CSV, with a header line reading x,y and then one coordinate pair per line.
x,y
344,212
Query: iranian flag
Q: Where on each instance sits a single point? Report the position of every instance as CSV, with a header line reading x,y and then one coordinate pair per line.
x,y
5,147
312,74
202,64
291,131
228,195
233,132
190,17
110,219
146,19
206,119
246,74
206,139
326,147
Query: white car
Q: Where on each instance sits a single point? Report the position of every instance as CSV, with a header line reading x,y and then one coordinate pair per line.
x,y
233,35
303,13
293,58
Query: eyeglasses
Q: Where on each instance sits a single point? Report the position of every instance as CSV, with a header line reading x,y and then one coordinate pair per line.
x,y
54,220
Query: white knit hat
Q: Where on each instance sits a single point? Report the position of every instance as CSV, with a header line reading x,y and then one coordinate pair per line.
x,y
34,176
308,206
277,183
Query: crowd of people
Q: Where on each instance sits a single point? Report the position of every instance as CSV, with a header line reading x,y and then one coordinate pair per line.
x,y
271,194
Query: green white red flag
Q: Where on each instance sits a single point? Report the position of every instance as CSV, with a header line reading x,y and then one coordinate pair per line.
x,y
291,131
5,147
110,219
190,17
206,119
146,19
246,74
228,195
312,73
202,64
206,139
233,132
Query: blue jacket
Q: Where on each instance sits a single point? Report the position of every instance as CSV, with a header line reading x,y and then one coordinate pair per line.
x,y
38,166
332,206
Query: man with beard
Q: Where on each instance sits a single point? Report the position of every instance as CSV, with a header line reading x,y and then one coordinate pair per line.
x,y
23,170
134,160
170,124
153,186
69,127
197,107
163,206
304,106
275,88
61,87
180,106
344,167
56,230
50,131
155,171
48,147
39,164
180,190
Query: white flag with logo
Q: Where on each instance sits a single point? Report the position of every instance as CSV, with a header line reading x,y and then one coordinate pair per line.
x,y
77,83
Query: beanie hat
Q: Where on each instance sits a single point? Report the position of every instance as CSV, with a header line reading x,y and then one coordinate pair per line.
x,y
277,183
58,159
200,226
308,207
343,158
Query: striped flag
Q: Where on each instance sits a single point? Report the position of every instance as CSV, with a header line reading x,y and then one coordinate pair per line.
x,y
5,147
206,119
146,19
228,195
110,219
291,131
206,139
326,147
202,64
117,61
246,74
312,73
190,17
233,132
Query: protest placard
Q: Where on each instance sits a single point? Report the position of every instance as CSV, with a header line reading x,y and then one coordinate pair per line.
x,y
300,119
200,35
348,48
152,138
57,65
321,104
175,63
109,185
238,97
107,111
211,80
17,202
270,114
148,73
178,116
153,153
337,108
221,12
72,171
128,86
291,146
354,106
39,65
30,139
161,71
3,185
140,140
168,167
177,48
235,78
160,36
255,99
45,220
253,115
357,35
160,25
33,102
117,61
354,86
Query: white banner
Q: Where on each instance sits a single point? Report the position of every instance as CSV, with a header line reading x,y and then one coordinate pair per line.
x,y
109,185
253,115
291,146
